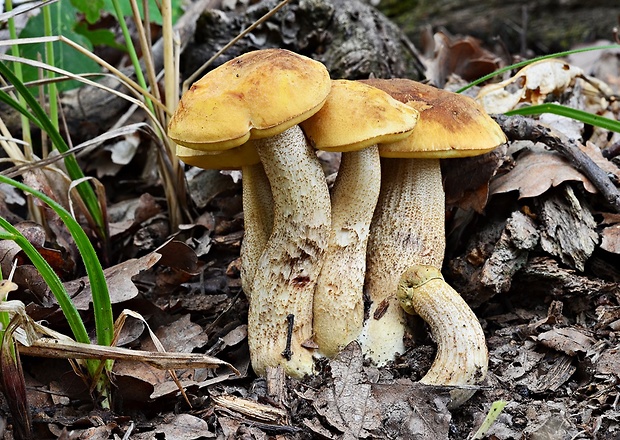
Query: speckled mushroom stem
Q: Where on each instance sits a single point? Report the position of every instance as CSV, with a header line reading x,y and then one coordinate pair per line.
x,y
407,229
287,270
462,357
338,299
258,221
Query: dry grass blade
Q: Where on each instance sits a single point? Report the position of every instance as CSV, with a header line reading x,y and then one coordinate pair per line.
x,y
59,349
37,340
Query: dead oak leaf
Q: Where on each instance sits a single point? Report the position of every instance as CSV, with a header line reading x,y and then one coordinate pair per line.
x,y
538,169
359,408
348,405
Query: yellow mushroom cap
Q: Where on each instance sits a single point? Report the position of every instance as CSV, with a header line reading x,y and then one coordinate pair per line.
x,y
231,159
356,116
450,124
256,95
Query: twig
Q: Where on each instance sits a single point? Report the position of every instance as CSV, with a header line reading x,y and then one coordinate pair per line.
x,y
520,127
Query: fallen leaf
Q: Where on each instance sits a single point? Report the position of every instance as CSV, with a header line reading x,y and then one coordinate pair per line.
x,y
185,427
538,169
532,84
609,362
567,340
120,286
462,56
610,239
348,405
359,408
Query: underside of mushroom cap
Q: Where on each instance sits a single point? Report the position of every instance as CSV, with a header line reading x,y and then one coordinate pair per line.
x,y
231,159
256,95
450,125
355,116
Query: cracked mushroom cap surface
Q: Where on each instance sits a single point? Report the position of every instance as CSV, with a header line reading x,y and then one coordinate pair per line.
x,y
450,124
355,116
253,96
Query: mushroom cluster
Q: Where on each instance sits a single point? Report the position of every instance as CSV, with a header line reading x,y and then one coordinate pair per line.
x,y
309,258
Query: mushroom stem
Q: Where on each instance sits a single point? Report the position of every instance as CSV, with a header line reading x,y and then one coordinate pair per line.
x,y
290,264
258,221
462,357
407,229
338,299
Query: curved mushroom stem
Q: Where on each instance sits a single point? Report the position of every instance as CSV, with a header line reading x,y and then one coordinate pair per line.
x,y
258,221
338,299
462,356
289,266
407,229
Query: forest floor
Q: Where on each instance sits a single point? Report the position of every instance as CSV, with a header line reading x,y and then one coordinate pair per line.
x,y
533,247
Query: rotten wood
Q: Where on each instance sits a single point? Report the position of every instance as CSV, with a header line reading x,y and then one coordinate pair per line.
x,y
350,37
566,227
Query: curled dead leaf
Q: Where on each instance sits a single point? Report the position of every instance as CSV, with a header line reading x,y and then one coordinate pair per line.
x,y
538,169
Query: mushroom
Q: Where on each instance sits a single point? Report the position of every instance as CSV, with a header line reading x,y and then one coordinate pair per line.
x,y
262,96
462,357
257,198
353,120
408,223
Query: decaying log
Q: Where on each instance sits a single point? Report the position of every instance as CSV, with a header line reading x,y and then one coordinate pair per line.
x,y
566,227
350,37
493,256
544,276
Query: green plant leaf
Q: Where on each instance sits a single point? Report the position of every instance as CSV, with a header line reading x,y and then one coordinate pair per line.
x,y
561,110
58,290
64,18
533,60
154,14
102,307
90,8
99,37
39,117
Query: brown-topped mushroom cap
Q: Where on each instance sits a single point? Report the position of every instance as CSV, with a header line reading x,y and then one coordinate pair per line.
x,y
450,125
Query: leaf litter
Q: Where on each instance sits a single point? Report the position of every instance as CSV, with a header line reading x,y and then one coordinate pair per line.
x,y
533,249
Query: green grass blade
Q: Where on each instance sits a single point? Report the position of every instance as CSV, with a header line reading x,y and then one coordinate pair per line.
x,y
561,110
533,60
55,284
102,306
84,189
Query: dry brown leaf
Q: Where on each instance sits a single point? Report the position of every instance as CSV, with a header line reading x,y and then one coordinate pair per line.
x,y
120,285
609,362
603,163
126,216
359,408
462,56
185,427
567,340
466,180
538,169
348,405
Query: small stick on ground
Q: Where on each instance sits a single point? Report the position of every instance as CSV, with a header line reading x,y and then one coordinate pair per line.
x,y
520,127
